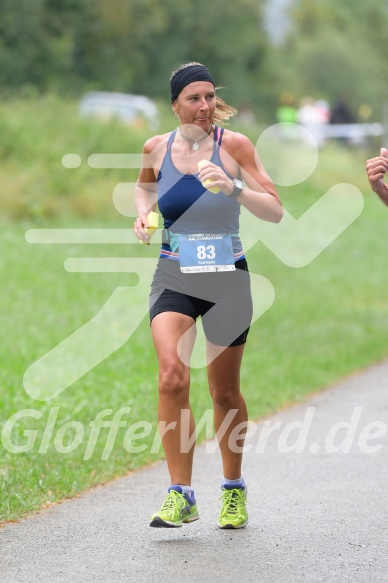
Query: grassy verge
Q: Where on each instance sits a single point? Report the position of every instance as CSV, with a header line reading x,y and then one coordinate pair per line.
x,y
328,319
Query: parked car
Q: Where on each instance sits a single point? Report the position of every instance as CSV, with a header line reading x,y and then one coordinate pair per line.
x,y
130,109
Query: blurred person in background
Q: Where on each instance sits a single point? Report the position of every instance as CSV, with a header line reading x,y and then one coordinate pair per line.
x,y
286,110
310,117
341,112
323,108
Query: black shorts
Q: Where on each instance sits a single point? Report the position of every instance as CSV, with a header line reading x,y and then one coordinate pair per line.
x,y
222,299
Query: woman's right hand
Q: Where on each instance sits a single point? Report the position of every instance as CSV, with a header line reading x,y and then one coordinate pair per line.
x,y
139,226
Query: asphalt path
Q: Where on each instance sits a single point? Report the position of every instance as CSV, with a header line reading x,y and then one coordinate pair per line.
x,y
317,477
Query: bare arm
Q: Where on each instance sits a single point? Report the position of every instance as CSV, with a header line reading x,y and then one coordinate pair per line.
x,y
260,196
145,190
376,169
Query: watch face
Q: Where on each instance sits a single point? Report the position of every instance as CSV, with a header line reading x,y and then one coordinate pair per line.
x,y
238,183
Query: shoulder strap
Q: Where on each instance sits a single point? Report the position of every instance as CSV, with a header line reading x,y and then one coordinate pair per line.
x,y
171,139
215,138
221,134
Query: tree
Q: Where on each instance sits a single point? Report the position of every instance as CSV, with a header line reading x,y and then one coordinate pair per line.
x,y
129,45
338,47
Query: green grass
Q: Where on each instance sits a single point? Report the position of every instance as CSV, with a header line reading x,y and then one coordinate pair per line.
x,y
328,318
36,134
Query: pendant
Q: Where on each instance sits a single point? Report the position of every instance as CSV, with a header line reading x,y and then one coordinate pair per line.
x,y
195,146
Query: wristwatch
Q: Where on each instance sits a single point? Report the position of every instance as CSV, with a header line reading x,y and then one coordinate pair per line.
x,y
237,187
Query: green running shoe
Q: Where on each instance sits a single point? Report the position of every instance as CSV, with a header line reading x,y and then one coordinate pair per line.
x,y
176,509
233,513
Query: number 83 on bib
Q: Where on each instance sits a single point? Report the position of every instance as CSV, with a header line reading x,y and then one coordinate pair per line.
x,y
203,253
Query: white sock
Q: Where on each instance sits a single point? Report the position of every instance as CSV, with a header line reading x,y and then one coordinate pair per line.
x,y
186,490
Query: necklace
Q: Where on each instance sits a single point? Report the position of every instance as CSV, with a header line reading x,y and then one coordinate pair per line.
x,y
194,142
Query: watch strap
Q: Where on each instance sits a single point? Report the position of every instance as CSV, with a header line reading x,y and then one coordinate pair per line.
x,y
237,190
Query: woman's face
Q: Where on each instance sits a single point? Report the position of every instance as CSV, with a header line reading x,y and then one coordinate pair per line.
x,y
196,104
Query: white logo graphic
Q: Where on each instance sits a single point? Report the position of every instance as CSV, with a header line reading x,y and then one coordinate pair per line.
x,y
290,155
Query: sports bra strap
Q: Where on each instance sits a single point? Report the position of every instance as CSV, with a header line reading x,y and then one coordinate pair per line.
x,y
221,134
171,139
218,138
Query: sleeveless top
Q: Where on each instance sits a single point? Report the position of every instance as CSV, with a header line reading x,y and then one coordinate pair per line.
x,y
188,207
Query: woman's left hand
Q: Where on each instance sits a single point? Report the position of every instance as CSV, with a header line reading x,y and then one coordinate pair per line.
x,y
213,176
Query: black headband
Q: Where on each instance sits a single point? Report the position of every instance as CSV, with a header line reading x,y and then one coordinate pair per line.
x,y
188,75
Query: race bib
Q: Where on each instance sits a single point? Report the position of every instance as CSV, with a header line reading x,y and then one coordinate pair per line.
x,y
200,253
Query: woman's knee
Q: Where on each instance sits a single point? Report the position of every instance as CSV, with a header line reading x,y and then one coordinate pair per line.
x,y
174,381
226,396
